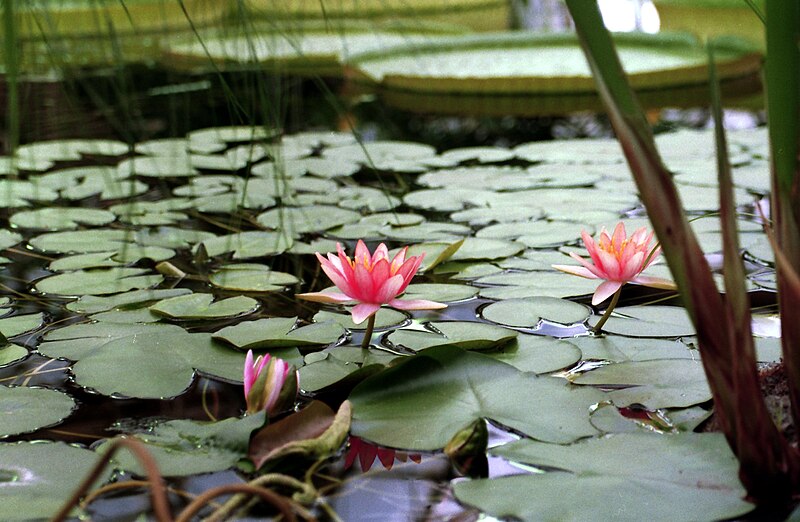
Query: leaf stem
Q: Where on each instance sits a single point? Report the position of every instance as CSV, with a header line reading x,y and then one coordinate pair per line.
x,y
368,333
614,300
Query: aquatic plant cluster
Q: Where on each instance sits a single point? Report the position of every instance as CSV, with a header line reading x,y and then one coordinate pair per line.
x,y
167,275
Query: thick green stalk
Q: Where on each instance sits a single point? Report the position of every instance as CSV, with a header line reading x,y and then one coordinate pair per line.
x,y
783,110
764,471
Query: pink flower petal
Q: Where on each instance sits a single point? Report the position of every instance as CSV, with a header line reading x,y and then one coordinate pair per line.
x,y
594,269
581,271
380,253
399,259
363,311
655,282
389,289
325,297
604,291
619,236
608,265
363,288
416,304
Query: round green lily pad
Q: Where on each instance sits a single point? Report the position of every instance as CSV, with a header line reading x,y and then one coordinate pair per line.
x,y
201,306
251,277
24,409
648,321
461,334
528,313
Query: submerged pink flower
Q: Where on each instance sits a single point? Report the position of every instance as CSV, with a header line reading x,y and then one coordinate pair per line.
x,y
371,279
617,259
270,383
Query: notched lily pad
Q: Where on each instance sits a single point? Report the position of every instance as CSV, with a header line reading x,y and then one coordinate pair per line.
x,y
251,277
201,306
528,313
660,383
20,324
90,304
460,334
538,354
648,321
277,332
687,476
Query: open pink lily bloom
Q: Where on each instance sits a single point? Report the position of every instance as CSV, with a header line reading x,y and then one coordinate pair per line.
x,y
371,279
617,259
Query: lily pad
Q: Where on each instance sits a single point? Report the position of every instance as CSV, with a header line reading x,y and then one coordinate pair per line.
x,y
201,306
165,356
440,292
620,349
295,221
98,281
446,389
461,334
341,366
92,304
648,321
278,332
25,409
515,284
660,383
8,239
20,324
188,447
59,218
538,354
384,318
251,244
528,313
251,277
11,353
39,477
687,476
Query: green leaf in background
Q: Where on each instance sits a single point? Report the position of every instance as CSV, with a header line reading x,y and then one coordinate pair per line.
x,y
251,277
660,383
538,354
648,321
187,447
39,477
420,403
631,476
24,409
200,306
89,304
11,353
59,218
279,332
384,318
98,282
528,313
20,324
461,334
618,349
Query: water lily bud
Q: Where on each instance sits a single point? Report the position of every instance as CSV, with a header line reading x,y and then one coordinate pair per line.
x,y
467,449
270,384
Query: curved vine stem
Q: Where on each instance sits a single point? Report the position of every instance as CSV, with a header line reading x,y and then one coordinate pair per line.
x,y
148,463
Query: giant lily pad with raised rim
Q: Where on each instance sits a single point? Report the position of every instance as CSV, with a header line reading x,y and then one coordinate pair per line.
x,y
687,476
525,74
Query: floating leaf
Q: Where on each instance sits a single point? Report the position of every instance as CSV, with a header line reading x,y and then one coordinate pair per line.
x,y
648,321
201,306
8,239
97,282
246,245
528,313
462,334
251,277
25,409
517,285
538,354
384,318
59,218
619,349
11,353
295,221
20,324
440,292
446,389
660,383
165,357
92,304
687,476
277,332
188,447
39,477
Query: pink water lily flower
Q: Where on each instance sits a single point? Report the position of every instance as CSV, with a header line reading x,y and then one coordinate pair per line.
x,y
366,454
270,383
617,259
370,279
